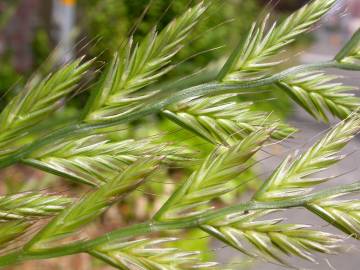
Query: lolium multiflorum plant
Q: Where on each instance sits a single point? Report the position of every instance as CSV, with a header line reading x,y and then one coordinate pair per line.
x,y
88,150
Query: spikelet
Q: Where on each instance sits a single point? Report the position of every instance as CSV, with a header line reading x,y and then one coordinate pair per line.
x,y
151,254
271,239
223,119
94,159
343,214
319,95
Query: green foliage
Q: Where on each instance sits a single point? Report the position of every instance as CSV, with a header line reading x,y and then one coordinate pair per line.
x,y
9,78
121,17
91,149
106,23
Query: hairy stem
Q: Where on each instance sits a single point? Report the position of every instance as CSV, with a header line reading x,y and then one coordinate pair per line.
x,y
184,223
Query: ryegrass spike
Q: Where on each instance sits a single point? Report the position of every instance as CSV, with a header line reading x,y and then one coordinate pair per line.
x,y
293,178
94,159
209,181
250,58
270,238
343,214
150,254
93,204
138,65
319,95
223,119
30,205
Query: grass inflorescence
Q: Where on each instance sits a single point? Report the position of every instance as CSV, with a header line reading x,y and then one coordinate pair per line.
x,y
93,150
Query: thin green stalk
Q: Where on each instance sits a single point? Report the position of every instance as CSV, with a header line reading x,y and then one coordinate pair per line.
x,y
184,223
163,100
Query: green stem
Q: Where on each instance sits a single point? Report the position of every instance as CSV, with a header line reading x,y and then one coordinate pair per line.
x,y
183,223
163,100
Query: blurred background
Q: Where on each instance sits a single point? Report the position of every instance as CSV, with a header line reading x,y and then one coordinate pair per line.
x,y
32,30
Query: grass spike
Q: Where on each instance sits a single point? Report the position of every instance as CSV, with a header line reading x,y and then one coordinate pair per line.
x,y
271,239
93,204
94,159
138,65
223,119
293,176
149,254
209,181
319,95
40,98
343,214
251,58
